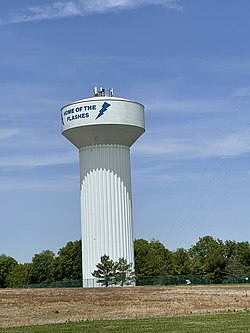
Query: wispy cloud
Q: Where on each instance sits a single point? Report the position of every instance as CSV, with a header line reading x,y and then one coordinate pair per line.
x,y
223,64
17,162
193,147
191,106
242,92
63,9
7,133
55,184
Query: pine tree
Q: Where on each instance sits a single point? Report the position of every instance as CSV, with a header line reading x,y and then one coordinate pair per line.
x,y
114,272
124,273
105,272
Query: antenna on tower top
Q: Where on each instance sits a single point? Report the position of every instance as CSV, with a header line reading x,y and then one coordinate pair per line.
x,y
95,90
100,92
111,92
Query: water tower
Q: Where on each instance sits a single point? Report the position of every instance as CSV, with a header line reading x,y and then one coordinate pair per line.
x,y
103,128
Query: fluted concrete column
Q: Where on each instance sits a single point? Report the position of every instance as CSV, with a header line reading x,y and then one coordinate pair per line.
x,y
106,205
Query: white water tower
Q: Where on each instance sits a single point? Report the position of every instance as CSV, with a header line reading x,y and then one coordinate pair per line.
x,y
104,128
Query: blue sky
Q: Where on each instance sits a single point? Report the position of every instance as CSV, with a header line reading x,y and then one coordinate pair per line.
x,y
186,61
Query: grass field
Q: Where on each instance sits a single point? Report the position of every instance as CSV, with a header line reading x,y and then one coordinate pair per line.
x,y
135,309
218,323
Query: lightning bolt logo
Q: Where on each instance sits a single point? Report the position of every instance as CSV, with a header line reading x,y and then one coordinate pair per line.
x,y
104,108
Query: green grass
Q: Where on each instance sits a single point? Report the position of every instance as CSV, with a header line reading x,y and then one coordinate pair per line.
x,y
219,323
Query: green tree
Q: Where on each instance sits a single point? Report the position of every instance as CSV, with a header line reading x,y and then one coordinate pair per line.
x,y
243,253
141,249
230,248
200,253
238,257
183,263
124,274
7,264
106,271
151,258
42,267
234,267
69,262
19,275
156,261
215,266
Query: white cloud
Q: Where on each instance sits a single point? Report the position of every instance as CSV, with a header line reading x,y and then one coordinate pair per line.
x,y
55,184
201,145
162,105
223,64
242,92
63,9
41,160
8,133
107,5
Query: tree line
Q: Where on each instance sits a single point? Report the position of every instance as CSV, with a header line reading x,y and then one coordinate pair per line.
x,y
45,267
209,257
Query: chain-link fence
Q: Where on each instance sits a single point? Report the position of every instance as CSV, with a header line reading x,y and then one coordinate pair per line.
x,y
144,281
170,280
57,284
187,279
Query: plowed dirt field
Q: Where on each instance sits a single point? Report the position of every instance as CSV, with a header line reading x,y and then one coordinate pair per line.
x,y
19,307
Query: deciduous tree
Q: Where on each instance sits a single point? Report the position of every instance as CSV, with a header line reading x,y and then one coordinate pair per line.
x,y
151,258
42,267
19,275
7,264
69,262
200,253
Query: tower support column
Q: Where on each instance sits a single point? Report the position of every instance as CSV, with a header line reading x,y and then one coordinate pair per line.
x,y
106,205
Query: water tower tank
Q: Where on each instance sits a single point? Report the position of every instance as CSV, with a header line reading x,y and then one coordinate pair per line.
x,y
104,128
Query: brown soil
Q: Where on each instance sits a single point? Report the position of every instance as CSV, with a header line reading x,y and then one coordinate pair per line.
x,y
19,307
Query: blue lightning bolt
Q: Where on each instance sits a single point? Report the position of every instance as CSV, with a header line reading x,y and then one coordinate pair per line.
x,y
104,108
